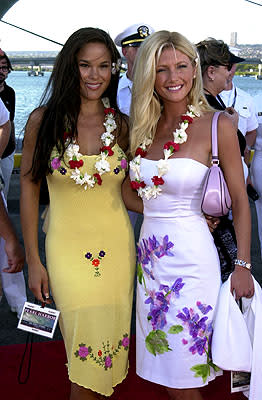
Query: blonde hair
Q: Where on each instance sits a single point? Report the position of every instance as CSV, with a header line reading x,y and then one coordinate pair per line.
x,y
146,106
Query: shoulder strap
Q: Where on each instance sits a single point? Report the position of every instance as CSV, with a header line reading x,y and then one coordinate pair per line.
x,y
214,136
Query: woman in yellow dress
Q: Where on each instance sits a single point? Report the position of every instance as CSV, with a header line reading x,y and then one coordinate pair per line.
x,y
78,139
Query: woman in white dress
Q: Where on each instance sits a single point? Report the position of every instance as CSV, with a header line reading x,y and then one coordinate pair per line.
x,y
178,265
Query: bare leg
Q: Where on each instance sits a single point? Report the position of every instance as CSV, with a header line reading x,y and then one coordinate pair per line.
x,y
184,394
81,393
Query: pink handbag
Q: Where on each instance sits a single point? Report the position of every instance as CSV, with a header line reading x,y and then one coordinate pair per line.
x,y
216,199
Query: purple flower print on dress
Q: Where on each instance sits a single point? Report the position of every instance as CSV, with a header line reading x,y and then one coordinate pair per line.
x,y
123,163
108,362
125,341
83,351
199,346
166,245
149,250
203,308
62,171
192,321
116,170
55,163
200,329
88,255
177,286
159,303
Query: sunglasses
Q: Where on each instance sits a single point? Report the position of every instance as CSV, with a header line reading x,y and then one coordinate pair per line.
x,y
228,66
4,68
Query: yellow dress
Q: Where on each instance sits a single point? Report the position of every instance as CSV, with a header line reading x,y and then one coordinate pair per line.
x,y
90,255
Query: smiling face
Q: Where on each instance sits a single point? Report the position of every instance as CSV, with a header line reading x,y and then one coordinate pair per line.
x,y
174,75
94,63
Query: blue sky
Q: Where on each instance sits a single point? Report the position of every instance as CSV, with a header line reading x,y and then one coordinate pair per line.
x,y
197,20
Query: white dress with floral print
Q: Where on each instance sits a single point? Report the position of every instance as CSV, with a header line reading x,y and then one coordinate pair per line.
x,y
178,280
91,262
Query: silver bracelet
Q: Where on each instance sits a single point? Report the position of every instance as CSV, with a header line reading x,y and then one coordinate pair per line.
x,y
243,263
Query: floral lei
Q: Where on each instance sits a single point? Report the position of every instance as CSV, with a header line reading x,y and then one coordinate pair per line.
x,y
75,162
180,137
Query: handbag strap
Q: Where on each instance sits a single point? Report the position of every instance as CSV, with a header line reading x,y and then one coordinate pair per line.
x,y
214,136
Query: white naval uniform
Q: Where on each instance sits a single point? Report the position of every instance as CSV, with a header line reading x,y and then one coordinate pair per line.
x,y
13,284
124,96
244,105
256,166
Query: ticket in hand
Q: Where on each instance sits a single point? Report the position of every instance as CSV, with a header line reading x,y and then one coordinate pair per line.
x,y
38,319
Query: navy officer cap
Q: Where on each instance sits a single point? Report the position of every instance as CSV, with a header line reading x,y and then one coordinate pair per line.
x,y
134,35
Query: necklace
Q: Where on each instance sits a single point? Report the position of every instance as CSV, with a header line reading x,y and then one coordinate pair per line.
x,y
76,162
180,137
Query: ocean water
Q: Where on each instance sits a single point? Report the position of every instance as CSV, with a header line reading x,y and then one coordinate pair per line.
x,y
29,90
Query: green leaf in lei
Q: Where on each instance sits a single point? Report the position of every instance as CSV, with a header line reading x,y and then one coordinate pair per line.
x,y
156,342
176,329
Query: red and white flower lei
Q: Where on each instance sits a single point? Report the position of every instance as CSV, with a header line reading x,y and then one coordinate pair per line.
x,y
101,165
180,136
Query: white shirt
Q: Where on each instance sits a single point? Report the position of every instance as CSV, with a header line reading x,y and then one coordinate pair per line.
x,y
245,107
4,113
258,104
124,94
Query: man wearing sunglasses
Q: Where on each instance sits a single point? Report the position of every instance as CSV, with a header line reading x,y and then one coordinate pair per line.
x,y
243,103
13,284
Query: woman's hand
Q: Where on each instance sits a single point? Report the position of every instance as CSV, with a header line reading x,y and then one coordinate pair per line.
x,y
38,283
15,255
242,283
212,222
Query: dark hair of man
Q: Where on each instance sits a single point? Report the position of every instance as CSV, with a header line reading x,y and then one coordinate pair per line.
x,y
212,52
9,65
61,98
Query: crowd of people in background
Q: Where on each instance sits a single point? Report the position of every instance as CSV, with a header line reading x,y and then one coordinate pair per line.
x,y
125,157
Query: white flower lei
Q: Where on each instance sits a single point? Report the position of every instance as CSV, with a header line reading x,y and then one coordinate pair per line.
x,y
180,136
102,165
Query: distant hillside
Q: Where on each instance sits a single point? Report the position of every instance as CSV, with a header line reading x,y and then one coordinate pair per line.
x,y
32,53
245,50
250,50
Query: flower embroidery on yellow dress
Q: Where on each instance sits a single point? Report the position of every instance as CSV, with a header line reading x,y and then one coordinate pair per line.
x,y
104,356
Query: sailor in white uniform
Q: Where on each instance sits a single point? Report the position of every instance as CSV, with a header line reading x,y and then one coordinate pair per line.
x,y
13,284
129,40
243,103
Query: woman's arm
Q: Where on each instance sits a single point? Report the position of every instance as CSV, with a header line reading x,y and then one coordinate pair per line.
x,y
230,161
132,201
29,206
14,251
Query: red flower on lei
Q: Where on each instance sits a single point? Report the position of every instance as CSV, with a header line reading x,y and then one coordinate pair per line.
x,y
108,149
171,146
187,118
76,164
140,152
109,110
98,179
157,181
136,185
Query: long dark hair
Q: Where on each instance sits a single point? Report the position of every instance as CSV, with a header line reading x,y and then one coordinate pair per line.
x,y
61,98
